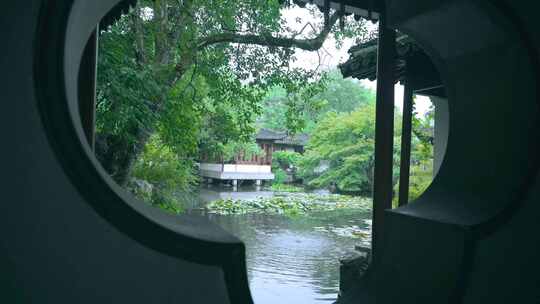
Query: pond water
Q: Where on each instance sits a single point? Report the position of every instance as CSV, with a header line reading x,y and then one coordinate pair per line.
x,y
291,259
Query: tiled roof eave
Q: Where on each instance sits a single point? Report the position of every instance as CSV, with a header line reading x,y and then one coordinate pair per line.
x,y
363,61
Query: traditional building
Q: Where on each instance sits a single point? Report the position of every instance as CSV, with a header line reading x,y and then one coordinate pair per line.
x,y
271,141
255,167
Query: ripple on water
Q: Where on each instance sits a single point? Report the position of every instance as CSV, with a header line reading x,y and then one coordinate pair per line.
x,y
295,260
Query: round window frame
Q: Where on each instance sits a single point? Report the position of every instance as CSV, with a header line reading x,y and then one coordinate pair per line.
x,y
183,237
63,30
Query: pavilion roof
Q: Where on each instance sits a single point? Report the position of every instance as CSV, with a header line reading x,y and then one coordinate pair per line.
x,y
294,140
367,9
268,134
362,63
282,137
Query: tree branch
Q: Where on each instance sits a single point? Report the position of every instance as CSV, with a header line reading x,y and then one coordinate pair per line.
x,y
181,20
139,35
161,17
312,44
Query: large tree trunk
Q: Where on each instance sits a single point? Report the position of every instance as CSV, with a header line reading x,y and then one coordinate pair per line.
x,y
118,155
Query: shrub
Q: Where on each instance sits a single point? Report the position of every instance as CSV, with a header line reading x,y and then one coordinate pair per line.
x,y
234,148
421,176
286,188
280,176
285,159
166,174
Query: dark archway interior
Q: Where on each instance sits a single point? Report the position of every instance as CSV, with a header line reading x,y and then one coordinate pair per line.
x,y
69,234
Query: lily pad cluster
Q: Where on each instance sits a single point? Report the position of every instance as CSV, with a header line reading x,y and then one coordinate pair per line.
x,y
290,204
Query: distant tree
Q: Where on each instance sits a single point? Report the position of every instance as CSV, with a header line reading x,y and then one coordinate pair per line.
x,y
340,153
274,109
338,94
422,153
344,95
421,170
165,173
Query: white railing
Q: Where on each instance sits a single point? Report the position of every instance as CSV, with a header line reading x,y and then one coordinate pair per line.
x,y
211,167
233,168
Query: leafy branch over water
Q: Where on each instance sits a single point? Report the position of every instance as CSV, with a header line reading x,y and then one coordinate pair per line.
x,y
291,204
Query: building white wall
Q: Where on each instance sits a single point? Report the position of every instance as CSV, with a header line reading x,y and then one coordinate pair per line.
x,y
247,168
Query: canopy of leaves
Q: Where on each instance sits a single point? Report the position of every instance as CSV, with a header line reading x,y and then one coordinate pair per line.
x,y
194,72
285,159
340,153
337,94
168,175
421,171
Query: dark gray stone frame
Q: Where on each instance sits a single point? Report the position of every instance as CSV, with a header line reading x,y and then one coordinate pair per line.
x,y
491,169
467,239
63,30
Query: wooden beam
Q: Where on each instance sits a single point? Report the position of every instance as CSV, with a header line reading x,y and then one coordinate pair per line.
x,y
421,72
87,88
384,131
440,86
435,91
405,159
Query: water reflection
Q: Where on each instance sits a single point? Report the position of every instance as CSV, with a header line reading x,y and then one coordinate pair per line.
x,y
292,260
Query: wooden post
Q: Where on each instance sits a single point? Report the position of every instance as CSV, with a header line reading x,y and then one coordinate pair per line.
x,y
406,130
384,132
87,88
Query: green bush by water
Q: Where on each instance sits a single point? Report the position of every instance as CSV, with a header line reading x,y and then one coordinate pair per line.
x,y
160,174
280,176
286,188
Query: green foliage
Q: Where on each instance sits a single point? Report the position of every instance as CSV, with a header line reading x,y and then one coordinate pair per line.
x,y
344,95
161,167
125,93
167,202
422,128
280,176
166,172
291,103
421,170
282,161
340,153
420,178
301,113
274,109
171,88
293,204
346,143
286,188
172,67
246,149
182,115
226,130
285,159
